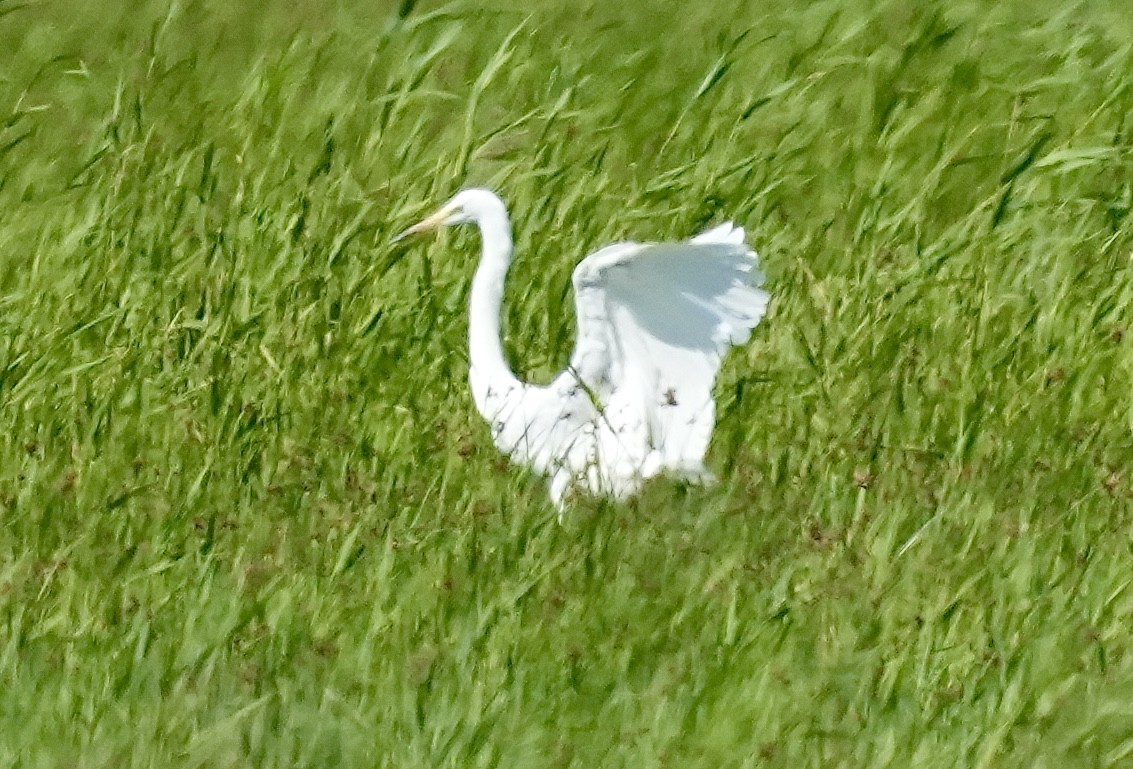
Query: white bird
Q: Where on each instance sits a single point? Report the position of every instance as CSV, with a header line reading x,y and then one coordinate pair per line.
x,y
654,321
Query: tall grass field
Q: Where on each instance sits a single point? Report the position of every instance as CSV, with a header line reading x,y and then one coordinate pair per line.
x,y
250,518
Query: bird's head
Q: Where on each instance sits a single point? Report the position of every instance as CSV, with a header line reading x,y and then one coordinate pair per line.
x,y
472,205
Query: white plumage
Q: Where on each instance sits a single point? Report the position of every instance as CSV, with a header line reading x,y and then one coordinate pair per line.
x,y
654,322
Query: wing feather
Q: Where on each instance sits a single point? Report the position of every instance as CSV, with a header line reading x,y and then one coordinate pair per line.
x,y
654,322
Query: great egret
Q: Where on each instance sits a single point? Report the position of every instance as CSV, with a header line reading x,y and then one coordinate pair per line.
x,y
654,321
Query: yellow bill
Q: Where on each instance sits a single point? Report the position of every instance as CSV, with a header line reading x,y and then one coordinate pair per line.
x,y
430,222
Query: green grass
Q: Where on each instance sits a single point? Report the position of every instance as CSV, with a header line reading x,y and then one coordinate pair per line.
x,y
248,516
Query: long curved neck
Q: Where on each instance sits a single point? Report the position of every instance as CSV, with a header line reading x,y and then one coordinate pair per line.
x,y
489,368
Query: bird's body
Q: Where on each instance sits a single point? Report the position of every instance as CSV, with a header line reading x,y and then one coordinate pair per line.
x,y
654,321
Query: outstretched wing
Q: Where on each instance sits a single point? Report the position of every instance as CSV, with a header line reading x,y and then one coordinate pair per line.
x,y
654,322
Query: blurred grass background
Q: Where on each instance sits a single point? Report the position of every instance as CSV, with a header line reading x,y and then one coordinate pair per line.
x,y
248,516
